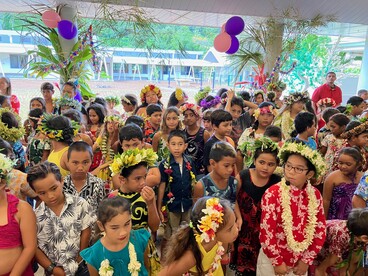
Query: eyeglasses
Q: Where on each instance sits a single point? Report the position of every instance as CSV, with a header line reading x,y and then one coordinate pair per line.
x,y
297,170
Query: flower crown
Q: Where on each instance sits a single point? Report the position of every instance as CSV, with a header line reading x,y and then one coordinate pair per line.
x,y
210,222
278,86
206,105
297,97
325,101
271,95
131,158
6,165
355,131
258,92
56,134
201,94
113,99
148,88
114,118
312,155
65,101
126,100
11,134
189,106
179,94
249,148
265,110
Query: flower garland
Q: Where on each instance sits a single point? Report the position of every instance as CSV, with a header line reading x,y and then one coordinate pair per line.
x,y
355,131
179,94
11,134
265,110
56,134
6,166
131,158
210,222
114,118
287,124
189,106
106,150
287,217
326,101
105,268
65,101
148,88
297,97
113,99
206,105
126,100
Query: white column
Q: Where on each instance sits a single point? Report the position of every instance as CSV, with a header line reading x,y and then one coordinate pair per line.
x,y
363,77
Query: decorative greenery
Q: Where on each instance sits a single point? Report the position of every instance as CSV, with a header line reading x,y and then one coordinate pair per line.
x,y
11,134
6,166
201,94
113,99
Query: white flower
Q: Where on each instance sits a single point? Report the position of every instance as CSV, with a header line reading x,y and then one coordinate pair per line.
x,y
181,117
105,268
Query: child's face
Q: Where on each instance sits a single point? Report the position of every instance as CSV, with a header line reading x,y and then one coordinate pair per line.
x,y
311,131
68,91
6,103
278,94
111,105
36,104
298,106
177,146
265,165
3,85
135,182
259,99
224,167
112,126
229,233
224,128
347,165
64,109
117,229
335,129
190,118
207,125
49,190
127,107
358,109
172,120
151,97
235,111
47,94
361,140
79,163
131,144
93,117
156,118
296,171
265,120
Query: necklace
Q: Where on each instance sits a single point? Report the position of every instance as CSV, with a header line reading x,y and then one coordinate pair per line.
x,y
287,218
106,149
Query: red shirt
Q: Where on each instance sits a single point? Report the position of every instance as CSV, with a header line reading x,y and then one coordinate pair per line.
x,y
325,91
272,235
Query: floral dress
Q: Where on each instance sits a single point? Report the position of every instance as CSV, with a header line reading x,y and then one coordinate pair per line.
x,y
333,145
35,150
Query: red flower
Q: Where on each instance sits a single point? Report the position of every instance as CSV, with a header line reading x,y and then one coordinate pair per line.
x,y
170,195
189,167
151,86
168,171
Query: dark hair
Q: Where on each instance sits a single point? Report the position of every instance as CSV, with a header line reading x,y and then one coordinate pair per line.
x,y
206,115
237,101
355,100
340,119
310,166
259,151
111,207
63,123
273,131
47,86
328,113
304,120
35,113
152,108
358,221
220,150
261,105
221,92
101,101
177,133
80,146
330,73
6,149
3,98
9,119
73,115
184,239
362,91
71,84
41,171
245,95
173,101
135,119
132,98
352,124
129,132
126,172
219,115
341,108
39,99
309,107
353,152
100,111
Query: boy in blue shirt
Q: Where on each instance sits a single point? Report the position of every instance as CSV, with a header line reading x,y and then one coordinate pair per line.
x,y
306,125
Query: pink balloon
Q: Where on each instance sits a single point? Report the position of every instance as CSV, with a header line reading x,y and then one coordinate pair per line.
x,y
223,28
222,42
51,18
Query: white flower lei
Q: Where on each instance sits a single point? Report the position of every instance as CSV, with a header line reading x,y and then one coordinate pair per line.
x,y
105,268
287,218
287,125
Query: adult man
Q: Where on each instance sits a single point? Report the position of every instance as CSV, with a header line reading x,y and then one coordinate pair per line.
x,y
328,90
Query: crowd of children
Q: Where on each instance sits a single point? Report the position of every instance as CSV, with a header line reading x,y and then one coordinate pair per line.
x,y
234,184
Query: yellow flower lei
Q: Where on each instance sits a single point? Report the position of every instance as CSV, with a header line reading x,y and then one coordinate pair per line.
x,y
287,218
210,222
131,158
56,134
179,94
11,134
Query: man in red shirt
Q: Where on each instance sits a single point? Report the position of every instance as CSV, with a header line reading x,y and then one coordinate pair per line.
x,y
327,90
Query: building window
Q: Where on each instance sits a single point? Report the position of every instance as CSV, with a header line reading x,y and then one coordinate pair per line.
x,y
144,69
18,61
4,39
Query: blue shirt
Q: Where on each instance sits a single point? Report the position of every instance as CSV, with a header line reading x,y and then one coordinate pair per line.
x,y
181,185
310,143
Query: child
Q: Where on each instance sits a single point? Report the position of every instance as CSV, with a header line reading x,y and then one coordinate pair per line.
x,y
112,102
130,104
292,222
277,87
47,90
324,131
177,182
197,136
258,97
356,105
131,168
206,121
80,182
6,89
274,133
177,98
37,102
305,125
252,185
137,120
150,94
63,222
170,122
340,185
5,102
121,250
322,105
76,116
152,125
210,102
64,104
18,240
221,121
197,248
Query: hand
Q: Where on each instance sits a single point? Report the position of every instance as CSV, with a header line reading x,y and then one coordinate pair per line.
x,y
300,268
58,271
161,215
230,94
148,194
281,269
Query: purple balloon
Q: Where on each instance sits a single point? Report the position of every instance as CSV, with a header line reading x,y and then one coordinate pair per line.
x,y
67,29
235,25
234,45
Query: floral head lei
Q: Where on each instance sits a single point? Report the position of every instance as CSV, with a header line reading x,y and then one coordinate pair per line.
x,y
271,96
258,92
249,148
6,166
114,118
131,158
206,105
113,99
56,134
11,134
276,86
326,101
312,155
297,97
179,94
148,88
200,95
126,100
189,106
265,110
65,101
355,131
